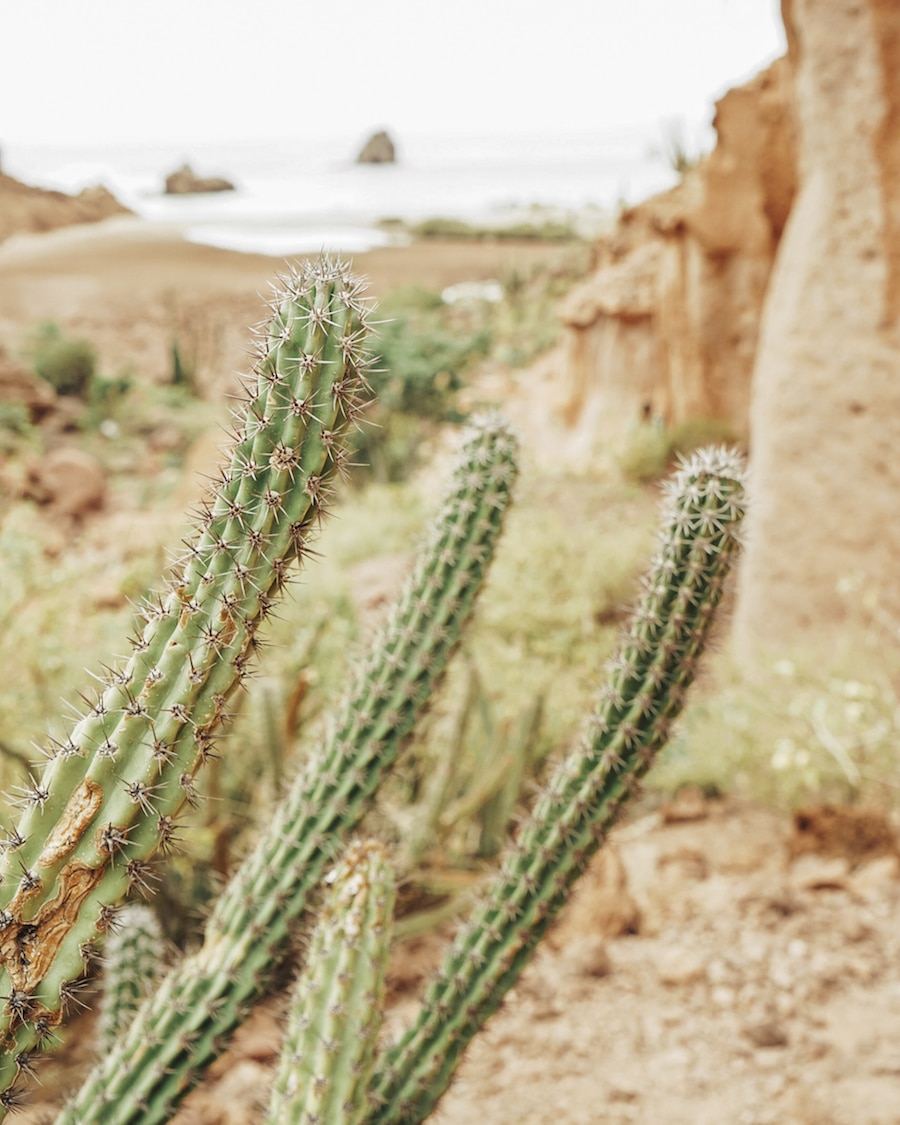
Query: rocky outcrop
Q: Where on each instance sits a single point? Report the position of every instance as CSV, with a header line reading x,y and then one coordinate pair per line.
x,y
19,386
185,181
667,327
30,209
378,149
824,537
69,481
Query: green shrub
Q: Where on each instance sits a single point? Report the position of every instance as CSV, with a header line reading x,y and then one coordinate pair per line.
x,y
68,364
652,448
422,353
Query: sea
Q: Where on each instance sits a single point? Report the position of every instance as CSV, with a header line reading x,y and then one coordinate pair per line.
x,y
296,196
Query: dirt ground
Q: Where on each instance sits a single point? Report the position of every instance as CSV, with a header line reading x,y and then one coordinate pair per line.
x,y
714,965
718,968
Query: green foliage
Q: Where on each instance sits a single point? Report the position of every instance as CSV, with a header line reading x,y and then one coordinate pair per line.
x,y
68,364
652,448
422,352
14,418
549,230
183,372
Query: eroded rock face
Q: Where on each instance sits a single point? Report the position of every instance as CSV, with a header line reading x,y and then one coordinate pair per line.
x,y
667,328
824,537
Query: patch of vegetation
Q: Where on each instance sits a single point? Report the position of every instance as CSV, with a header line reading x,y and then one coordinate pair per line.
x,y
68,364
549,230
422,353
653,448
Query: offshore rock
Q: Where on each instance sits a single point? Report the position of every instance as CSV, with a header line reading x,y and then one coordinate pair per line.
x,y
185,181
378,149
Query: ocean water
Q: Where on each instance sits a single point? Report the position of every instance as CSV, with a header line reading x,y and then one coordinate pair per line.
x,y
296,197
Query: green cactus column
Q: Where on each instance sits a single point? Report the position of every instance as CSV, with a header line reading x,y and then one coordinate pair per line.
x,y
336,1012
133,960
656,662
108,797
199,1004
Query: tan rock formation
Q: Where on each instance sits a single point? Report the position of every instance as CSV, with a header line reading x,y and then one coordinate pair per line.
x,y
69,481
378,149
31,209
185,181
824,537
667,328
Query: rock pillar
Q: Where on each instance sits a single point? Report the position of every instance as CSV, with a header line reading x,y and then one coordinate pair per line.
x,y
822,564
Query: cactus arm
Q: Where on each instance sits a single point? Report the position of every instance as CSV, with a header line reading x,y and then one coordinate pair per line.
x,y
336,1010
204,998
109,795
656,663
132,963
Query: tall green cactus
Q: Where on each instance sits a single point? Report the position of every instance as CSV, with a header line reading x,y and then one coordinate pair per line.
x,y
183,1025
336,1012
112,788
649,678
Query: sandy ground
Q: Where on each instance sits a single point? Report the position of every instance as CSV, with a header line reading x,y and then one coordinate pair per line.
x,y
708,970
130,289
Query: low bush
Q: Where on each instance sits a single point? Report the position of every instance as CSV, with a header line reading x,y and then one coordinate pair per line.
x,y
67,363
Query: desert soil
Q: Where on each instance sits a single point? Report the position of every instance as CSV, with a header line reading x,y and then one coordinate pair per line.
x,y
713,966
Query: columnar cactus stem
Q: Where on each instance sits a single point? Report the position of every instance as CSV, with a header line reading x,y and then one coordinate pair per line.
x,y
655,665
109,796
180,1029
336,1012
132,964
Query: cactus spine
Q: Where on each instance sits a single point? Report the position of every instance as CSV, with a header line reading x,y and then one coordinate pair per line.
x,y
181,1027
132,964
649,677
110,793
335,1018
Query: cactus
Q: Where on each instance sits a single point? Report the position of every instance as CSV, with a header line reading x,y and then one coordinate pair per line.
x,y
203,999
649,678
132,964
110,793
335,1018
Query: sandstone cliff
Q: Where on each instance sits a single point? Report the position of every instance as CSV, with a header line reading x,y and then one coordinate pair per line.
x,y
824,538
667,327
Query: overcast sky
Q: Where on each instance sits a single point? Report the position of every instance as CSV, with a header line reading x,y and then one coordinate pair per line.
x,y
193,70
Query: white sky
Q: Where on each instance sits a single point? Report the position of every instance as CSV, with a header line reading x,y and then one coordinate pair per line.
x,y
88,71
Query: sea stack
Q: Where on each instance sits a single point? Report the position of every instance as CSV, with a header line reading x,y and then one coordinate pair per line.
x,y
378,149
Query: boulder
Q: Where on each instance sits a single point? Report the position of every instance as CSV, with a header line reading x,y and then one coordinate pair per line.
x,y
378,149
19,385
185,181
69,481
